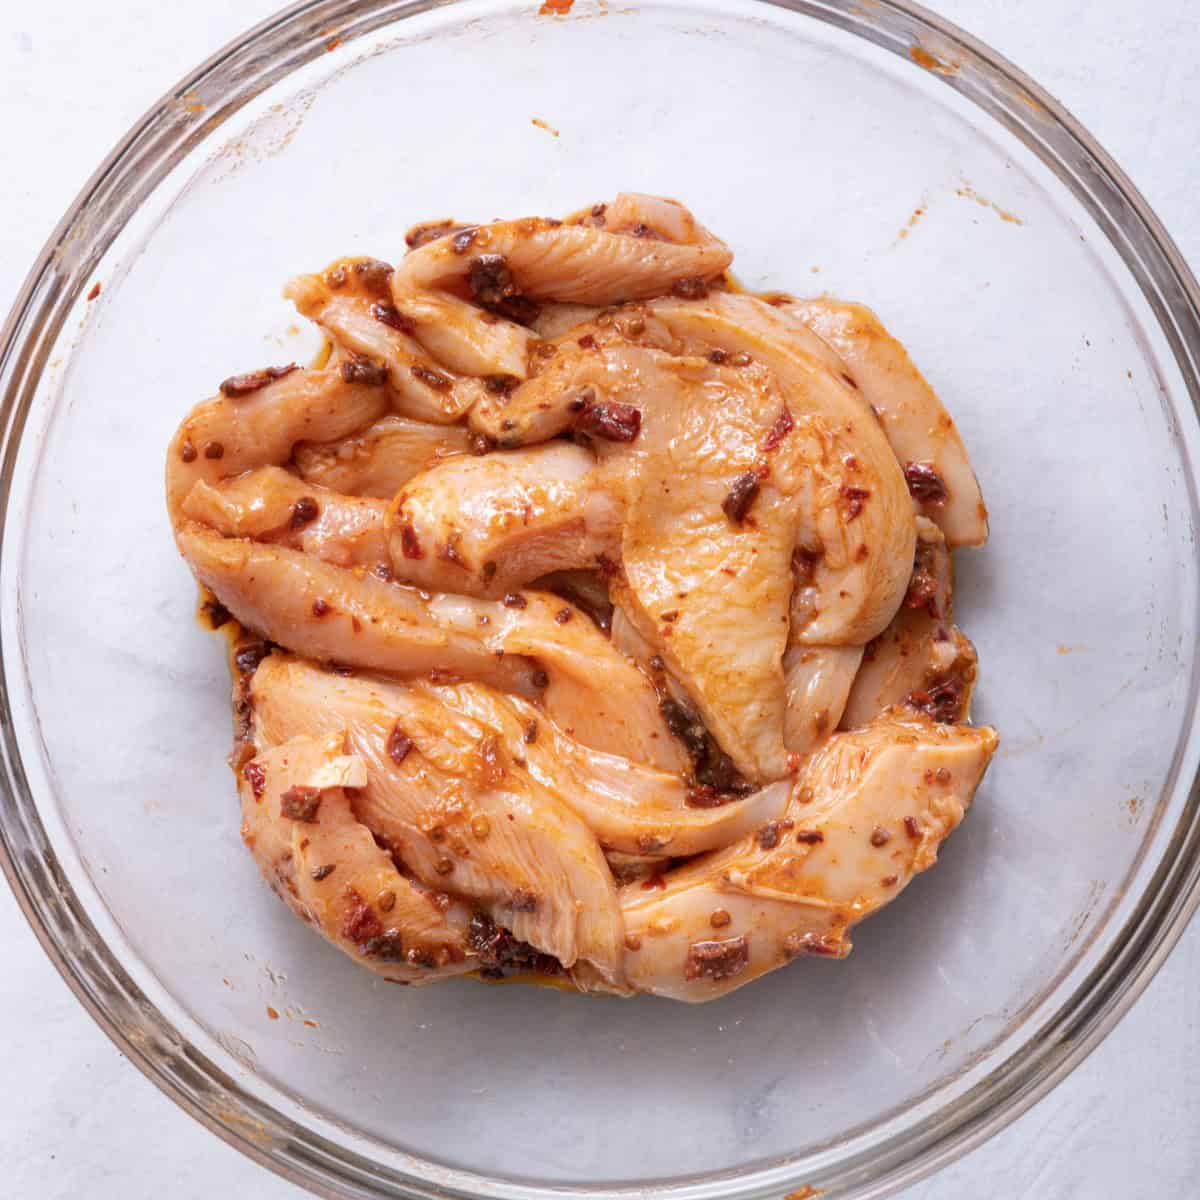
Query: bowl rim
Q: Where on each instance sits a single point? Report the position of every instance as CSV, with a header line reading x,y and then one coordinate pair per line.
x,y
155,144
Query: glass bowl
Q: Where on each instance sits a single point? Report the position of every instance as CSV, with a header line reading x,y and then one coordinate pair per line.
x,y
864,148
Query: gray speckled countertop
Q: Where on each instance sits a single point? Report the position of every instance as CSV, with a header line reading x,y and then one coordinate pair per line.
x,y
77,1120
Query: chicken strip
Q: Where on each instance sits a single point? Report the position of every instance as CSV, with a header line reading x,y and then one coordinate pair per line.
x,y
332,614
485,526
361,318
325,865
921,431
463,337
257,420
381,459
505,264
270,504
356,619
922,659
629,807
445,795
818,682
869,812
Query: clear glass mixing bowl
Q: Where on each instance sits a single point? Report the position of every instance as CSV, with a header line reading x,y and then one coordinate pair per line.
x,y
860,147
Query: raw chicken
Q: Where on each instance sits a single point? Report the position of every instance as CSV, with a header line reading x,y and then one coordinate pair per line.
x,y
484,526
381,459
869,812
269,504
593,619
921,659
921,431
455,806
505,264
298,823
368,325
232,433
356,619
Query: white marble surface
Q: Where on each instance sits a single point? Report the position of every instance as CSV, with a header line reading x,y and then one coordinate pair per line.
x,y
76,1120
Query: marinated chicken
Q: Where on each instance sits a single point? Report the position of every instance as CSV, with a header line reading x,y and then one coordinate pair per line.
x,y
592,620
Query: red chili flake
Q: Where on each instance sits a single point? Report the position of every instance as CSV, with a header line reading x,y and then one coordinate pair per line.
x,y
810,837
587,342
741,496
300,804
187,452
693,288
320,608
880,836
449,552
912,827
925,485
563,616
515,600
942,775
941,701
889,881
256,776
641,230
769,835
304,511
655,882
393,318
529,734
717,959
784,424
851,384
399,744
804,563
720,918
95,291
364,371
431,231
862,553
214,450
609,420
922,588
647,843
374,273
438,380
854,497
464,239
670,616
827,945
324,872
632,941
410,544
479,444
359,923
705,796
252,381
491,279
500,385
